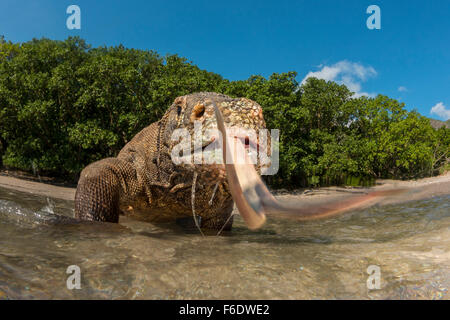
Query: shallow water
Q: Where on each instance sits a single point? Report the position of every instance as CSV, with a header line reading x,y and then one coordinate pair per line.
x,y
410,242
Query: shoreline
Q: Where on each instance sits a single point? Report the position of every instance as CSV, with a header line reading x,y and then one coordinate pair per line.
x,y
420,188
45,187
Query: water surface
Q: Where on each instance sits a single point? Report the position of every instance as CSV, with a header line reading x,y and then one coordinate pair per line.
x,y
325,259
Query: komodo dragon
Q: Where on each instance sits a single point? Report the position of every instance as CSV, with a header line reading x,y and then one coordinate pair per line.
x,y
143,179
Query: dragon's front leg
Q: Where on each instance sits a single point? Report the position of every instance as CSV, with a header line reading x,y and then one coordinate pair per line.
x,y
100,188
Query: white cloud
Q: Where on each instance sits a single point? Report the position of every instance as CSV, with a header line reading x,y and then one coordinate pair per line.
x,y
345,72
440,110
402,89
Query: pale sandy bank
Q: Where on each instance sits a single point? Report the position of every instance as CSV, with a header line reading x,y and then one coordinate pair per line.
x,y
418,189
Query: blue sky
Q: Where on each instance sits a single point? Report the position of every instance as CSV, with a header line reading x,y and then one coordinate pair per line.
x,y
408,59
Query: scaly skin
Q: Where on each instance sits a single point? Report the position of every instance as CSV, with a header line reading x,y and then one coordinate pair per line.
x,y
144,181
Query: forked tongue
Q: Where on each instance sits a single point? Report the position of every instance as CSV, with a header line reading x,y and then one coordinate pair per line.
x,y
254,200
242,177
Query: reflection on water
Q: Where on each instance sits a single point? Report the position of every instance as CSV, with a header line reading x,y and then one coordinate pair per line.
x,y
314,260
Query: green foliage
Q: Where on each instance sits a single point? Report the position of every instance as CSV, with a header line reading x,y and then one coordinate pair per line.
x,y
329,137
64,105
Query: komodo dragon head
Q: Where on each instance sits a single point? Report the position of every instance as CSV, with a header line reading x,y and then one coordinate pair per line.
x,y
194,139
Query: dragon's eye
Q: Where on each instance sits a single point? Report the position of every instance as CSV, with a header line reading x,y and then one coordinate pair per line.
x,y
179,110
